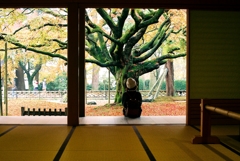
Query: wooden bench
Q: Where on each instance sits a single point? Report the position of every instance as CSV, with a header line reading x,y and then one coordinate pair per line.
x,y
38,112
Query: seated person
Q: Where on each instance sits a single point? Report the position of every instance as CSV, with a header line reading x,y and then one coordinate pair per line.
x,y
132,100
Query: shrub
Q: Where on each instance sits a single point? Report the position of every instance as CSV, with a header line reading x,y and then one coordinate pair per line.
x,y
178,85
89,87
59,84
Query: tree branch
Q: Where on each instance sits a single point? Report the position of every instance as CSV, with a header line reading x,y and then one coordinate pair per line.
x,y
151,65
93,28
135,17
151,52
150,44
109,21
153,19
50,12
133,40
121,21
106,64
38,51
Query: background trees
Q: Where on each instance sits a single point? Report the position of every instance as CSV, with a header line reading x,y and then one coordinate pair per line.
x,y
35,36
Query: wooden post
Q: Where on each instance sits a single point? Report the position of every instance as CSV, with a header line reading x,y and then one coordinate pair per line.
x,y
81,63
22,111
28,111
205,133
66,111
60,112
73,50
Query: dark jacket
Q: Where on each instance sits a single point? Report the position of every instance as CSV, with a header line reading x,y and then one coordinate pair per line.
x,y
131,94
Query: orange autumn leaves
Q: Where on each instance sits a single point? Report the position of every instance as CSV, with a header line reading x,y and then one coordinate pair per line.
x,y
173,108
148,109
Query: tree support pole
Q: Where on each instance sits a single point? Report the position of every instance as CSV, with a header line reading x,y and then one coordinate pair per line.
x,y
109,87
5,81
205,134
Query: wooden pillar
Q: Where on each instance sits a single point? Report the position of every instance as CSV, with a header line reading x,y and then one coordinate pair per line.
x,y
188,71
205,133
72,118
81,62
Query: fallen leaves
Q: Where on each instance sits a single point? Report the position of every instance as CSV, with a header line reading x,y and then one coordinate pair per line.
x,y
173,108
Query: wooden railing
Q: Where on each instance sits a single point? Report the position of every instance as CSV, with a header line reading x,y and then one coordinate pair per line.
x,y
38,112
205,136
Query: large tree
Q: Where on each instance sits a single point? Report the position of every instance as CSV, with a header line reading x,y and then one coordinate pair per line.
x,y
124,41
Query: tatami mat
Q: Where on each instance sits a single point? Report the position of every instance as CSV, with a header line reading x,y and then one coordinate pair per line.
x,y
104,143
107,143
174,143
4,128
32,143
229,135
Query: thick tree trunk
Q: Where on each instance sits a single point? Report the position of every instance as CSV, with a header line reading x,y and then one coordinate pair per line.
x,y
121,78
170,78
20,79
35,75
30,85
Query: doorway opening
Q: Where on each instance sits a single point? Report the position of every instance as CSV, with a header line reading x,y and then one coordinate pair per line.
x,y
121,43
